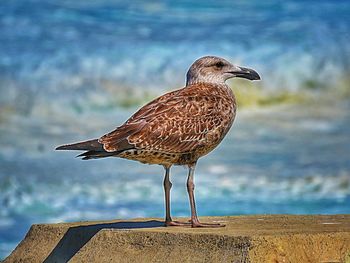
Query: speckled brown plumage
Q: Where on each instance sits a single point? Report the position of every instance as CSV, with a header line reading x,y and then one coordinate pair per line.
x,y
178,127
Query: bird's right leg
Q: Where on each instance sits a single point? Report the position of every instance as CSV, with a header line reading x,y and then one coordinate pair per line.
x,y
190,189
167,186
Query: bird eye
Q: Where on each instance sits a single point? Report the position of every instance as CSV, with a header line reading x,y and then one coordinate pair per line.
x,y
219,64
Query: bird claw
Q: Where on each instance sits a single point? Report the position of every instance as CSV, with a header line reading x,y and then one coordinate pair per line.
x,y
177,223
193,224
198,224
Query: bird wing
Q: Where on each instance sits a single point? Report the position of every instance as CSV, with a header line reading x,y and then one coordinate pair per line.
x,y
179,121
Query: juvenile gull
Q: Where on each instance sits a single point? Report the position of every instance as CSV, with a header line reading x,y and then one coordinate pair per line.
x,y
176,128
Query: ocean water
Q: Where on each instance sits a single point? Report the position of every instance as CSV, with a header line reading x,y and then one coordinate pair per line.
x,y
67,50
69,68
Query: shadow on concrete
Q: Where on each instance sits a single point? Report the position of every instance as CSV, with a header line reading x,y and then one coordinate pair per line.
x,y
76,237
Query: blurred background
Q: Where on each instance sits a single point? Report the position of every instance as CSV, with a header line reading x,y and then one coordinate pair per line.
x,y
73,70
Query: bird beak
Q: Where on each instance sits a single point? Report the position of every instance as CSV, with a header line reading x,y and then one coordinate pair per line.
x,y
247,73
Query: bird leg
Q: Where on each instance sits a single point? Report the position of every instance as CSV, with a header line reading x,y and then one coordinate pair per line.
x,y
190,189
167,186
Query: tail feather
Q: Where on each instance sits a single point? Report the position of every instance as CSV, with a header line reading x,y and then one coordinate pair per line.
x,y
92,149
96,154
91,145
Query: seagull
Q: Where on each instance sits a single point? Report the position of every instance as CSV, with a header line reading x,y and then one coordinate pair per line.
x,y
176,128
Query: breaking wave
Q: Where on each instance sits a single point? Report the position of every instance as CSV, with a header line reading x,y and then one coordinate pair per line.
x,y
70,201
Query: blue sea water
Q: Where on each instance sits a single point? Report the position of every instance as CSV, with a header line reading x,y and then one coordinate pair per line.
x,y
56,56
63,48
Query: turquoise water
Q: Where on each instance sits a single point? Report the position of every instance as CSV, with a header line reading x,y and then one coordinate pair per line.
x,y
66,50
66,68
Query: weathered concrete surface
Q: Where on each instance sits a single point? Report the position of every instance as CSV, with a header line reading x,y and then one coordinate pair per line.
x,y
263,238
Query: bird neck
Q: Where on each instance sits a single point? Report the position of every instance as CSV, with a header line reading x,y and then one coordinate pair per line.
x,y
199,79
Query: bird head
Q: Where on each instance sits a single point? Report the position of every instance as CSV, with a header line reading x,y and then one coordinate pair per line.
x,y
217,70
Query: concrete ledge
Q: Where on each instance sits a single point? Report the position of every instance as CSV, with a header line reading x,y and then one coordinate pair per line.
x,y
272,238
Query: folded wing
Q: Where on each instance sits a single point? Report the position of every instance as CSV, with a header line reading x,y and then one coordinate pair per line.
x,y
177,122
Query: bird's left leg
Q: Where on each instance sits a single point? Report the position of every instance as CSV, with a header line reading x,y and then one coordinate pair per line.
x,y
190,189
167,186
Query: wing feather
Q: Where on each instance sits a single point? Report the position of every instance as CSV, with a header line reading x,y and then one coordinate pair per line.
x,y
177,122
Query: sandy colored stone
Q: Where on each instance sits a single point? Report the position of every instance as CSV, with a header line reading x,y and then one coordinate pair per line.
x,y
262,238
